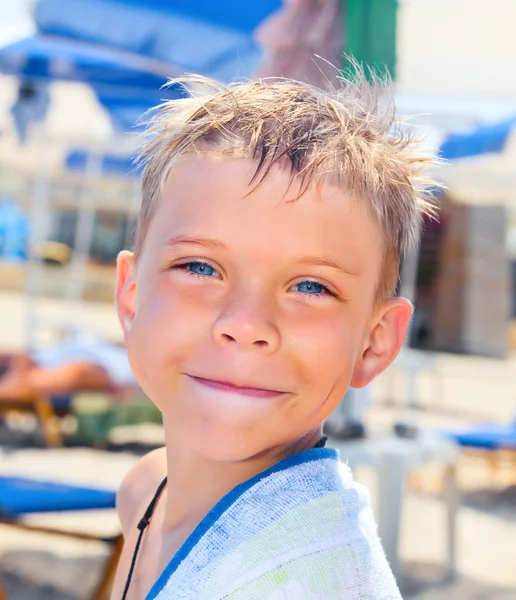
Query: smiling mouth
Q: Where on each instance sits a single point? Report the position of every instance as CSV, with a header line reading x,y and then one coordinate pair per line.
x,y
225,386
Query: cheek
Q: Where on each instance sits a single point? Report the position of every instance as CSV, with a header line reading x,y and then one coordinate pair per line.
x,y
169,322
326,353
325,348
172,309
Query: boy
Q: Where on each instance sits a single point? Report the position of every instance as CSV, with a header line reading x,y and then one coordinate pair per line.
x,y
273,220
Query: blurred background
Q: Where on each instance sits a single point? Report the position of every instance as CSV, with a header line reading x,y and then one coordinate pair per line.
x,y
434,438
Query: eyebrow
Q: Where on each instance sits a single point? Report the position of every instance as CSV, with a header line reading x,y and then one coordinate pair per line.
x,y
182,240
211,244
327,261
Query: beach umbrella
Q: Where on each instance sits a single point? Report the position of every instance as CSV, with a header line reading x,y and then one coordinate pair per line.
x,y
212,38
224,40
126,84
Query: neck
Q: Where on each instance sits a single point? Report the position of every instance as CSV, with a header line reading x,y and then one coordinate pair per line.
x,y
195,484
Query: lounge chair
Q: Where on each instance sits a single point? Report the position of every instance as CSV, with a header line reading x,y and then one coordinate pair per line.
x,y
20,496
485,436
490,441
48,408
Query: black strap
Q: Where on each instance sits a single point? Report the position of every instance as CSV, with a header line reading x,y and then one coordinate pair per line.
x,y
145,520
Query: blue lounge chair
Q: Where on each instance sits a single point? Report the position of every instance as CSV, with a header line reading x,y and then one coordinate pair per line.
x,y
487,436
20,496
492,442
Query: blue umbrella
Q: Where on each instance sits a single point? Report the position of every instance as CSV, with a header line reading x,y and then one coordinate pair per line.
x,y
44,57
202,36
127,85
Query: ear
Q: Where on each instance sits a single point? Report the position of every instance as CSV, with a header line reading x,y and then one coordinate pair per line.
x,y
126,290
385,341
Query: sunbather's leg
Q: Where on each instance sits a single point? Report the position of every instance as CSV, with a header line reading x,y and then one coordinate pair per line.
x,y
55,380
68,378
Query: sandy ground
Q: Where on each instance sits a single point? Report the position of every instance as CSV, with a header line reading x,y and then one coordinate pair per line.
x,y
457,390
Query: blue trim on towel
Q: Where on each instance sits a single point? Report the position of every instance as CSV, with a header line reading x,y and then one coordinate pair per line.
x,y
306,456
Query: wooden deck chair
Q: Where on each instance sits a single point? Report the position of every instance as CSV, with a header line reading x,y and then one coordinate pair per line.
x,y
45,410
48,409
21,496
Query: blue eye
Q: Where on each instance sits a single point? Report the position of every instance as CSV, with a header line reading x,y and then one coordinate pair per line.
x,y
196,267
200,268
310,287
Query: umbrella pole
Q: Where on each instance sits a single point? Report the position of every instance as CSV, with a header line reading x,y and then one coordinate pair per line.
x,y
38,233
84,229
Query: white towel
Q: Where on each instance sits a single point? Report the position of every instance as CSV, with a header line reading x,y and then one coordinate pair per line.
x,y
302,530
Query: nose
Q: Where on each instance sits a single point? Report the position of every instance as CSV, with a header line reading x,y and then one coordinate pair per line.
x,y
247,322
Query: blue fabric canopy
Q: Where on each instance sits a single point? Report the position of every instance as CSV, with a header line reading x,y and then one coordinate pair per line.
x,y
201,36
485,139
127,85
107,70
127,49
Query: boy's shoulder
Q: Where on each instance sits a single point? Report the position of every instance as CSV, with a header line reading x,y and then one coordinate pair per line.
x,y
139,486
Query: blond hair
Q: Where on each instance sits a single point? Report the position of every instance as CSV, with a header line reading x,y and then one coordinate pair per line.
x,y
345,135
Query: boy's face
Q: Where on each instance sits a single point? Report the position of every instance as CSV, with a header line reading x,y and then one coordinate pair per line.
x,y
248,317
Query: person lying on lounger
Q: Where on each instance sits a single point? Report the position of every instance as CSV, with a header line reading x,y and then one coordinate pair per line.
x,y
82,362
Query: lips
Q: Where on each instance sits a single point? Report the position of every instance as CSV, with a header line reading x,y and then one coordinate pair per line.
x,y
226,386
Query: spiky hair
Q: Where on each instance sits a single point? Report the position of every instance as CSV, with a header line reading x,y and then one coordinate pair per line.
x,y
347,135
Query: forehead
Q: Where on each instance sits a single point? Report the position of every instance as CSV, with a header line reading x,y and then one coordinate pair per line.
x,y
213,197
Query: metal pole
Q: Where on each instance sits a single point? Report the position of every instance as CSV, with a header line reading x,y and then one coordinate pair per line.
x,y
38,233
84,229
